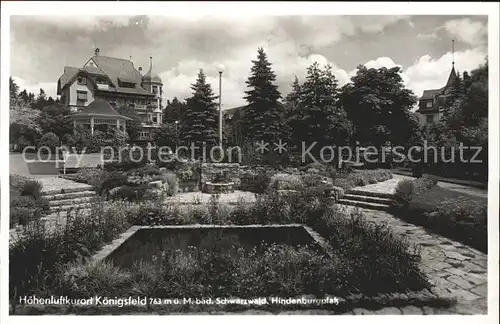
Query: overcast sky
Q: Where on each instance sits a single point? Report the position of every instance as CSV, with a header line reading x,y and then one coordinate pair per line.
x,y
42,45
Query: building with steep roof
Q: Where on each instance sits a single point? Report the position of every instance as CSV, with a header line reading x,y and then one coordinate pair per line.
x,y
433,101
117,82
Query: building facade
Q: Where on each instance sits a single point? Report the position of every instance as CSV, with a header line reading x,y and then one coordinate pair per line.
x,y
117,82
433,101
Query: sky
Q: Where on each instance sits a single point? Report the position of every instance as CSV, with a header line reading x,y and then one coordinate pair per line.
x,y
421,45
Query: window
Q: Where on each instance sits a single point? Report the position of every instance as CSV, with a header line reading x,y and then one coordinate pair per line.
x,y
127,84
101,81
82,80
155,89
154,119
429,119
82,95
428,104
81,98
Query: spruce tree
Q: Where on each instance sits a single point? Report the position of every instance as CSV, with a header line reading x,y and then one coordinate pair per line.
x,y
293,104
263,119
200,121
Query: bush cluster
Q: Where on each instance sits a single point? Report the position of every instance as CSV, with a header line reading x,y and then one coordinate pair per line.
x,y
26,201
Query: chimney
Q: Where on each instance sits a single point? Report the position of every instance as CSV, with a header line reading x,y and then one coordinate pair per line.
x,y
96,52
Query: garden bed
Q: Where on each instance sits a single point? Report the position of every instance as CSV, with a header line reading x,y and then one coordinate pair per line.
x,y
455,215
368,261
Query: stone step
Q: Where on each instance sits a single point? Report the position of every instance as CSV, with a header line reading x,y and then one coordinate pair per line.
x,y
70,195
362,204
378,200
67,190
360,192
55,209
71,201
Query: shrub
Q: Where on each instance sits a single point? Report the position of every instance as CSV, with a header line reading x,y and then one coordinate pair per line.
x,y
255,182
32,188
424,183
361,178
463,219
283,181
404,191
107,181
313,179
23,215
24,202
147,170
17,182
131,194
49,140
86,175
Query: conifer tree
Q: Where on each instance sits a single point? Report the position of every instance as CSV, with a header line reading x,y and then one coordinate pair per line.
x,y
263,119
320,119
200,124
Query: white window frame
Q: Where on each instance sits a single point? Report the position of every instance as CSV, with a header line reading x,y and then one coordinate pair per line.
x,y
428,104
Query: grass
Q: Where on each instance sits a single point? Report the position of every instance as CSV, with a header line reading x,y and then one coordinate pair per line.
x,y
458,216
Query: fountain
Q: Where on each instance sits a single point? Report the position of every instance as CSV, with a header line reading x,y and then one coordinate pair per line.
x,y
220,184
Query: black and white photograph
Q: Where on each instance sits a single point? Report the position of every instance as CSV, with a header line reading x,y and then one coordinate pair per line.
x,y
250,159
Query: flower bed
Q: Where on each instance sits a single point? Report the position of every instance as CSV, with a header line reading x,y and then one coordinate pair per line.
x,y
368,258
359,178
26,201
455,215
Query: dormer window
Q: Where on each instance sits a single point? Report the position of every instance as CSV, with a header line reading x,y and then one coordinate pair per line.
x,y
101,81
428,104
127,84
82,80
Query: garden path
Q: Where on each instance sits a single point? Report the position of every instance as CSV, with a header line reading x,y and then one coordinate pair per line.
x,y
455,270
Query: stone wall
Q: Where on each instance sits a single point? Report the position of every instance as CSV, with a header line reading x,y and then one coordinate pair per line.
x,y
232,170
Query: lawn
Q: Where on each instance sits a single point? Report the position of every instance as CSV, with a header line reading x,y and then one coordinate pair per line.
x,y
456,215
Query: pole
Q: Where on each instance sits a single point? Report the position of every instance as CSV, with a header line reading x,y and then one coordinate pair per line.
x,y
220,110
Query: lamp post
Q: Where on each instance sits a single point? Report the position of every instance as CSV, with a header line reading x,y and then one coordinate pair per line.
x,y
220,69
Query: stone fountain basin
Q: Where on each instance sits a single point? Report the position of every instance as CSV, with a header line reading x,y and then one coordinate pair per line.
x,y
218,187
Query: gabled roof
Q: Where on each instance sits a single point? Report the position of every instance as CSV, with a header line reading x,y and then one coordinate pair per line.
x,y
99,108
122,69
70,73
114,68
240,109
430,94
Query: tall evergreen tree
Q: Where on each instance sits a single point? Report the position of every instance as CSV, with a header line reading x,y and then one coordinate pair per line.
x,y
319,118
263,119
174,110
293,106
200,122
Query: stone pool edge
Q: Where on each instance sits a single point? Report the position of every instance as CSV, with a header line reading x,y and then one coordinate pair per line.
x,y
422,298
